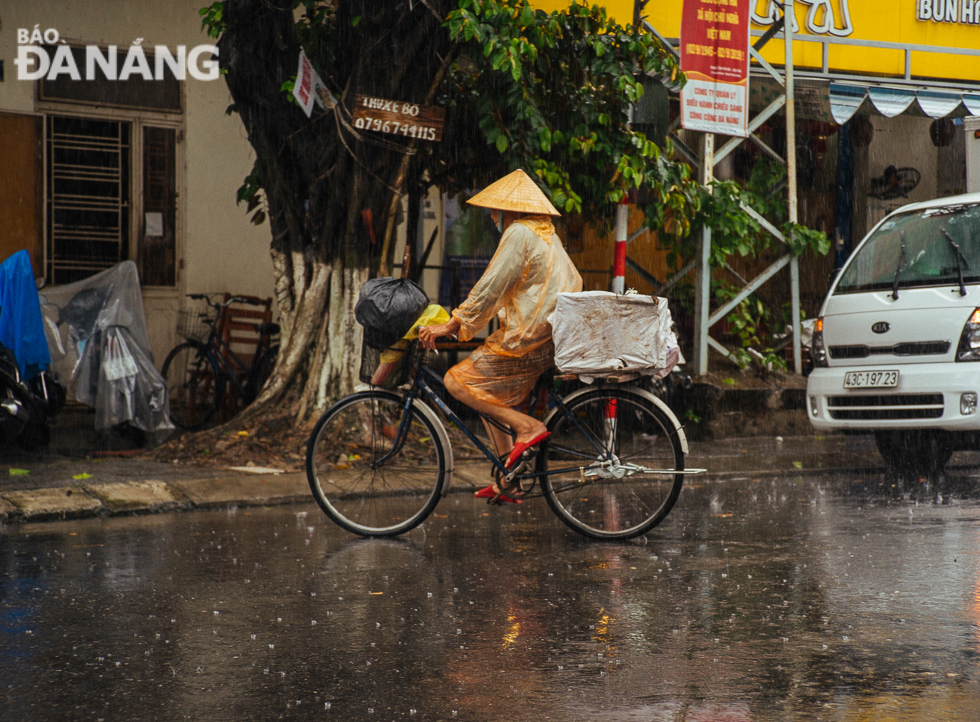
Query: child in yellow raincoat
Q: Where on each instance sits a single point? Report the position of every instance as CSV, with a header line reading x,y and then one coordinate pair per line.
x,y
520,286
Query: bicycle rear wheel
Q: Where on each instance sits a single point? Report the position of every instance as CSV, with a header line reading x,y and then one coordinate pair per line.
x,y
193,385
362,477
620,455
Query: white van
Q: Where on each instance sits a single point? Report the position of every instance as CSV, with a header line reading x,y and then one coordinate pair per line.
x,y
898,334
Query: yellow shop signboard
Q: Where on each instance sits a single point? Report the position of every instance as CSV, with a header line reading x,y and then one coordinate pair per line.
x,y
931,28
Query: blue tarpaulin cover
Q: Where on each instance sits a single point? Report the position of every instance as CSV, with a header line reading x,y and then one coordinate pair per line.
x,y
21,326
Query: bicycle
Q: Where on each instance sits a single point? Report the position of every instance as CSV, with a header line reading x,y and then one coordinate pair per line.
x,y
378,461
197,372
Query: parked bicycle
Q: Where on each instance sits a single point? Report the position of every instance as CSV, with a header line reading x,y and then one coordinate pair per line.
x,y
378,461
198,372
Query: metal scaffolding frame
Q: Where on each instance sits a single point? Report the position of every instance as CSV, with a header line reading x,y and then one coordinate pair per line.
x,y
705,161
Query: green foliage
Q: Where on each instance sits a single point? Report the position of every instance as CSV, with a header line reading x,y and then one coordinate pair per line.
x,y
250,192
802,239
213,22
752,322
551,93
317,33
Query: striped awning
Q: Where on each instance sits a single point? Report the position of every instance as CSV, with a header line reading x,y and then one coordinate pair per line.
x,y
846,99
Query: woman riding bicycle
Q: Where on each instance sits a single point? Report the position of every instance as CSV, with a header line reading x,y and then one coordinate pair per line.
x,y
520,286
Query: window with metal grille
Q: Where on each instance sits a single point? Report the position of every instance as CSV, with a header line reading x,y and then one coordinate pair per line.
x,y
88,196
157,248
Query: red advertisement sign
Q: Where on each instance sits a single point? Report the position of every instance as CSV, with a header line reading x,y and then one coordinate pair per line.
x,y
715,58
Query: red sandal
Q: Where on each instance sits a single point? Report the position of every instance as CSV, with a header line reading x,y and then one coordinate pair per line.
x,y
519,449
491,493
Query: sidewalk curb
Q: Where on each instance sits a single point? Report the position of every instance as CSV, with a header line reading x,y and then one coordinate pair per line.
x,y
159,497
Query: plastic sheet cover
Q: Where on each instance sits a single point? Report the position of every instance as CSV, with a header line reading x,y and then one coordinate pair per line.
x,y
21,328
597,333
100,349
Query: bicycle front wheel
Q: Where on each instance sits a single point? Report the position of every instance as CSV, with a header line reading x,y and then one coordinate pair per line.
x,y
614,460
373,472
193,385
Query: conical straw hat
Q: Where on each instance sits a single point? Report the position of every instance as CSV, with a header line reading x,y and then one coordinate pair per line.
x,y
515,192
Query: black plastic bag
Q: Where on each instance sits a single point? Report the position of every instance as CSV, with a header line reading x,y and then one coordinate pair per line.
x,y
387,308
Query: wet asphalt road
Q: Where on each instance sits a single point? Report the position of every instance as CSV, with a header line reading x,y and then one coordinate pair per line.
x,y
821,598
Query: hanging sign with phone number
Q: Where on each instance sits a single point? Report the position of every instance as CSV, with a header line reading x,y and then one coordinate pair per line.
x,y
395,117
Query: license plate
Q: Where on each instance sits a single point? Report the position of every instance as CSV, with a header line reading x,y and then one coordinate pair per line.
x,y
870,379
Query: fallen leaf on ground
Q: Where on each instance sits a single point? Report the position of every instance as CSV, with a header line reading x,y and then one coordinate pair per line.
x,y
19,472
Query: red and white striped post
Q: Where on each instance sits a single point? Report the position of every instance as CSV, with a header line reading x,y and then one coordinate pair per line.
x,y
618,286
619,258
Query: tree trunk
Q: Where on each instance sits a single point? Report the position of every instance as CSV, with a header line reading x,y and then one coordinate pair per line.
x,y
319,175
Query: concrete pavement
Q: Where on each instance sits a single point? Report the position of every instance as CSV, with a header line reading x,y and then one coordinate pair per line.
x,y
55,486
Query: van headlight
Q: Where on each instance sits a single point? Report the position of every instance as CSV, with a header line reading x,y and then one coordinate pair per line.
x,y
969,346
817,350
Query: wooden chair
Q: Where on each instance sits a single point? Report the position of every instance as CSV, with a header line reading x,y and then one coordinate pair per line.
x,y
236,327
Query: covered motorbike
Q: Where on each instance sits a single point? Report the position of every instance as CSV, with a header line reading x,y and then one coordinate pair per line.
x,y
28,396
101,348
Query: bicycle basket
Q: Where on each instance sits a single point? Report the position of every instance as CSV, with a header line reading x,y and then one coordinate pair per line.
x,y
195,325
387,376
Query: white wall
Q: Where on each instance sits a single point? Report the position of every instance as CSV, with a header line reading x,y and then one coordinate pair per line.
x,y
902,141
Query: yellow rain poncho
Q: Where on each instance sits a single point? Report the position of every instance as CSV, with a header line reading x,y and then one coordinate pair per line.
x,y
521,287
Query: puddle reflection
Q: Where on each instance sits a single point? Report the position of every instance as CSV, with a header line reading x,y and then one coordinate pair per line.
x,y
758,599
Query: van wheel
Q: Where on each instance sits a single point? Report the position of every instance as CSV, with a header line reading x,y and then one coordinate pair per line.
x,y
915,452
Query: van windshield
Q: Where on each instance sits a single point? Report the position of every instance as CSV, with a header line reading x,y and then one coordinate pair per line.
x,y
930,258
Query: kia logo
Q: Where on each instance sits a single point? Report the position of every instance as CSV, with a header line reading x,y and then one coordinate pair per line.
x,y
881,327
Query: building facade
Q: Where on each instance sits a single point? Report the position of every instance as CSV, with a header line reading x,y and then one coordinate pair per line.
x,y
94,170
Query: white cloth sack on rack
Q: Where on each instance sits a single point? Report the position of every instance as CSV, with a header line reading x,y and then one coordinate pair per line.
x,y
597,333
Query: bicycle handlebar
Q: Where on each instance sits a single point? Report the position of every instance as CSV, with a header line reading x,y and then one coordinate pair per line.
x,y
233,299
